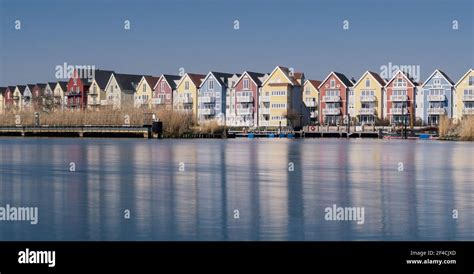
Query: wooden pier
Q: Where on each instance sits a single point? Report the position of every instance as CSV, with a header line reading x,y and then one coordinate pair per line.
x,y
77,131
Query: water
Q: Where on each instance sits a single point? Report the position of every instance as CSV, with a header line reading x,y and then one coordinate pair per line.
x,y
251,176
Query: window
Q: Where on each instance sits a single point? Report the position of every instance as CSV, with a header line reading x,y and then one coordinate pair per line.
x,y
210,84
471,80
436,82
400,82
367,83
246,83
144,88
186,85
332,83
95,89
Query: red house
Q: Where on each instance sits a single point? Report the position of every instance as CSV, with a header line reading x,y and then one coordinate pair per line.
x,y
401,98
8,97
37,94
76,93
163,90
333,97
246,99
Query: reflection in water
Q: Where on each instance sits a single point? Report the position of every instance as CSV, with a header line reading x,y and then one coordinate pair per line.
x,y
263,189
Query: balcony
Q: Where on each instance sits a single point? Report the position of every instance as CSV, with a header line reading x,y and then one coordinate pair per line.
x,y
244,99
314,114
436,111
331,111
207,111
265,98
93,93
468,111
328,98
398,111
399,98
367,98
436,98
207,99
244,111
310,104
16,98
468,97
187,100
367,111
264,111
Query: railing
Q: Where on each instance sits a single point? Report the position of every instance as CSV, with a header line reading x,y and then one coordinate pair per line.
x,y
399,98
367,111
436,97
367,98
437,111
157,101
328,98
265,98
207,111
207,99
331,111
310,103
244,99
314,114
244,111
468,111
398,111
187,100
468,97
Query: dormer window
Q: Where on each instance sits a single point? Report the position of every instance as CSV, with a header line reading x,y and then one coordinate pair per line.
x,y
367,83
210,84
471,80
437,82
332,83
246,83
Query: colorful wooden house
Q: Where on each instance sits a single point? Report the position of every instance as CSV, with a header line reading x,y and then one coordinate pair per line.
x,y
144,92
230,112
59,95
280,102
369,97
464,96
2,99
333,96
311,100
18,97
77,89
436,98
212,95
8,98
38,98
120,90
187,93
97,95
401,102
164,91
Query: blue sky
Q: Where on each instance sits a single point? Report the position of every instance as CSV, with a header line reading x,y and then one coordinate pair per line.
x,y
199,36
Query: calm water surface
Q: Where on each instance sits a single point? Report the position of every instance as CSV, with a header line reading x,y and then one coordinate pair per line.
x,y
251,176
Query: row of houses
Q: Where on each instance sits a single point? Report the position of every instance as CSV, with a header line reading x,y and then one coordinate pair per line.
x,y
279,98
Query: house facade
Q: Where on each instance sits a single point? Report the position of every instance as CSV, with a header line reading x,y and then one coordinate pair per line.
x,y
464,96
76,93
18,97
96,95
187,93
2,99
8,98
120,90
230,112
164,91
59,95
333,96
212,95
437,98
401,102
144,92
244,100
311,100
369,98
38,96
280,102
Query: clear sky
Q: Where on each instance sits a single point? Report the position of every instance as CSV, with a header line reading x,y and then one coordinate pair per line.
x,y
199,35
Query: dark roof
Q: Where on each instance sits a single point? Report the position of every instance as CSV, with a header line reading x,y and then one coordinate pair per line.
x,y
151,80
11,88
315,83
102,77
31,87
128,82
63,85
255,77
41,85
196,78
222,77
344,79
378,78
171,79
21,88
3,89
446,76
52,85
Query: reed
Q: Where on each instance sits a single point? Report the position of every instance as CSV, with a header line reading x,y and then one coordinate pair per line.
x,y
466,131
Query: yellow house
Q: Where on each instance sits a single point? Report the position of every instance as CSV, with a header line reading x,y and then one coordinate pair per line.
x,y
18,97
97,95
187,93
369,98
144,91
311,99
280,99
464,96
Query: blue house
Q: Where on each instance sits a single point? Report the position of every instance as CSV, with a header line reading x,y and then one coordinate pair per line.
x,y
438,92
212,97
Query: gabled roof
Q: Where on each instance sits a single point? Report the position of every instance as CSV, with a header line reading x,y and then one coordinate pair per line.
x,y
170,79
375,75
31,87
52,85
254,76
221,77
442,74
21,88
3,89
127,82
286,72
405,75
62,84
464,76
314,83
41,85
195,78
151,80
11,88
102,77
344,80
